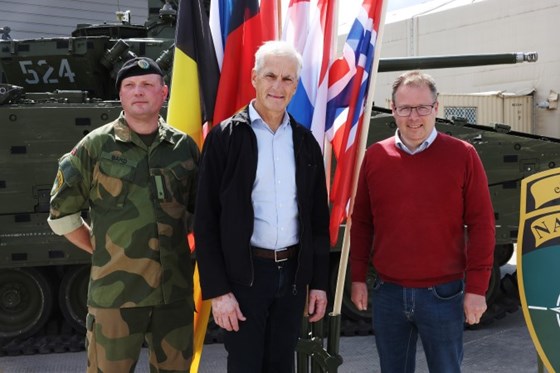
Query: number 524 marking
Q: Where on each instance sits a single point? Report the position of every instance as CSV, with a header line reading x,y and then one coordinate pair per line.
x,y
30,68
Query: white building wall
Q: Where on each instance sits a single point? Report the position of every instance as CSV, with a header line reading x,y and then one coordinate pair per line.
x,y
483,26
29,19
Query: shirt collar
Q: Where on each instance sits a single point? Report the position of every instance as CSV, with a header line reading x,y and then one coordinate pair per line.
x,y
256,119
429,140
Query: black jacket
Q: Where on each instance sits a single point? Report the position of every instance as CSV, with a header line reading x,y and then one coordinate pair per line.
x,y
224,211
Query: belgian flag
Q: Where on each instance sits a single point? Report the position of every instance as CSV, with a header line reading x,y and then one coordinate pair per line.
x,y
195,72
193,94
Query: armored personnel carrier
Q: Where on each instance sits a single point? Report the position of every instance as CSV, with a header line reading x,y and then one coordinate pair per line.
x,y
54,91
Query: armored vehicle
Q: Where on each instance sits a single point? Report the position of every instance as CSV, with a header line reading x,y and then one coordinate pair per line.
x,y
54,91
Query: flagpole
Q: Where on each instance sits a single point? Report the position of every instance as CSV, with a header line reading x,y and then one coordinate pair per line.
x,y
343,263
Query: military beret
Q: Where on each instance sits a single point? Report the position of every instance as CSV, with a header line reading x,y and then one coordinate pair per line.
x,y
135,67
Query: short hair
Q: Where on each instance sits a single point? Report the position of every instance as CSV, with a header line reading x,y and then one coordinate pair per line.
x,y
415,78
277,48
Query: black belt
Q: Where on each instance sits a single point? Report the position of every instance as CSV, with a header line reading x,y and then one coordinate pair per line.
x,y
278,255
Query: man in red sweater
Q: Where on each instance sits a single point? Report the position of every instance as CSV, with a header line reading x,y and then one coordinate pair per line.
x,y
423,217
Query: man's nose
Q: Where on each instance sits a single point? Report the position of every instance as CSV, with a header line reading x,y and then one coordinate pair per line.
x,y
414,112
277,83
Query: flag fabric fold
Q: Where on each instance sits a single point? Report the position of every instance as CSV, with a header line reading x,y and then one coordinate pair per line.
x,y
196,73
347,94
309,27
239,28
194,84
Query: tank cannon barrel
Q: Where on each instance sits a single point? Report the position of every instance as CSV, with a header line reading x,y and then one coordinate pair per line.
x,y
441,62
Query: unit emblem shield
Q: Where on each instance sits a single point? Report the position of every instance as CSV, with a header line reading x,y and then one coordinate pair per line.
x,y
538,263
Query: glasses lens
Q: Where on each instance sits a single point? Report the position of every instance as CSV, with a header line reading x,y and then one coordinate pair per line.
x,y
404,111
424,109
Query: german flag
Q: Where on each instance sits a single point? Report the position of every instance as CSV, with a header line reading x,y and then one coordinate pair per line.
x,y
195,72
243,27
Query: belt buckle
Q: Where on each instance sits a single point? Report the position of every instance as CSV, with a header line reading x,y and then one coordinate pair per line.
x,y
276,260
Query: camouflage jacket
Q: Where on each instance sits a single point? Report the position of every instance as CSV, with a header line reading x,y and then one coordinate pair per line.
x,y
141,201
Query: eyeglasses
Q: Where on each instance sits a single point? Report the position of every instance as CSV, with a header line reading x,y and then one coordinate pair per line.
x,y
421,110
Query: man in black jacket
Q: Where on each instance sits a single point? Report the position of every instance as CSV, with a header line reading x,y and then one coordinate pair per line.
x,y
262,218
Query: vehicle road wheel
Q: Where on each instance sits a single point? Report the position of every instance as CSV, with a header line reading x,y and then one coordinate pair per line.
x,y
25,302
493,286
72,296
502,254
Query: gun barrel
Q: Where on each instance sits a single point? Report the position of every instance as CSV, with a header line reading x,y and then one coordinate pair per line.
x,y
442,62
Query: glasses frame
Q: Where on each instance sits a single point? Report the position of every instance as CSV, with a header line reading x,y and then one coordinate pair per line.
x,y
398,108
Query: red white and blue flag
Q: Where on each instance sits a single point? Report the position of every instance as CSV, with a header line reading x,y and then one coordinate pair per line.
x,y
348,88
239,28
309,27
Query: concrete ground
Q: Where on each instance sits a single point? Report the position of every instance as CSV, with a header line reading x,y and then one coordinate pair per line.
x,y
503,346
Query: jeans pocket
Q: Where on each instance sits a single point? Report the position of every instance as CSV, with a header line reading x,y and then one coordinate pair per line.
x,y
449,290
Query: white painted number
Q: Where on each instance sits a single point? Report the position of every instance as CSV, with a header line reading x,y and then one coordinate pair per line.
x,y
34,79
64,71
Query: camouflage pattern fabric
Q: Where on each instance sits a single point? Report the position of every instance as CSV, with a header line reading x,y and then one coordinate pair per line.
x,y
115,337
141,200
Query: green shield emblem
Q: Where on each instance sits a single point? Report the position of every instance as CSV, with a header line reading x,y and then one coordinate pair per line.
x,y
538,263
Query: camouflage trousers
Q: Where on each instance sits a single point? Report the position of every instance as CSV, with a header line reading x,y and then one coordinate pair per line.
x,y
115,336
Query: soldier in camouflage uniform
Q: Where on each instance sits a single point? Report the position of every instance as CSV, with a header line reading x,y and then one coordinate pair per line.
x,y
138,176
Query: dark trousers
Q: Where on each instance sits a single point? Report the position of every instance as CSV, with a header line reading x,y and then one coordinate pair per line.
x,y
266,341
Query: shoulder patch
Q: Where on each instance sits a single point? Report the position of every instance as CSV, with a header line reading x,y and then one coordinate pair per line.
x,y
58,182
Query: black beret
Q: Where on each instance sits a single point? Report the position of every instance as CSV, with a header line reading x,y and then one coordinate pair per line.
x,y
137,66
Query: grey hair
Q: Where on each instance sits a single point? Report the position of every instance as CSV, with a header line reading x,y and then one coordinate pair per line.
x,y
277,48
415,78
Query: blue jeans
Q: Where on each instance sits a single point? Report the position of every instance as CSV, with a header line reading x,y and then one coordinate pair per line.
x,y
436,314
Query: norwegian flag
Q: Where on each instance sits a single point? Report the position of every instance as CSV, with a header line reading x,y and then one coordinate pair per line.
x,y
347,95
309,27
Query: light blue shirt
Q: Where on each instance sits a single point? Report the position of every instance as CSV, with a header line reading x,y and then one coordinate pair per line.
x,y
274,191
425,145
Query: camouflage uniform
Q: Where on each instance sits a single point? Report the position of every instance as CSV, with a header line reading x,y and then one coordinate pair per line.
x,y
141,199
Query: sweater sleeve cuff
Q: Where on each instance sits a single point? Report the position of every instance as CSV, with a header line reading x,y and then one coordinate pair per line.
x,y
66,224
477,281
358,271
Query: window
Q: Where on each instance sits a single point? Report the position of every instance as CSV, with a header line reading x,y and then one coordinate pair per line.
x,y
469,113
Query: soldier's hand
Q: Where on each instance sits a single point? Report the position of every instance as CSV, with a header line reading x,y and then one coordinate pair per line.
x,y
226,312
360,295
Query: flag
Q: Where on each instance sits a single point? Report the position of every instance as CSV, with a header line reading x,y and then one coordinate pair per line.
x,y
239,28
348,84
309,27
195,72
193,91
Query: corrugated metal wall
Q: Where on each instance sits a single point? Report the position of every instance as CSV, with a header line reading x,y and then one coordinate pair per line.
x,y
515,111
53,18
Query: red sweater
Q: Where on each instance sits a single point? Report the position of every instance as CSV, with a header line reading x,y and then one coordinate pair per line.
x,y
413,209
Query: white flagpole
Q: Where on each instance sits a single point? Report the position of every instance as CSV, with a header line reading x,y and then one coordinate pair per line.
x,y
359,157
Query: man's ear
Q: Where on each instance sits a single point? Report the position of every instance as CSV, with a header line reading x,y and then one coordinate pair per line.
x,y
254,78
